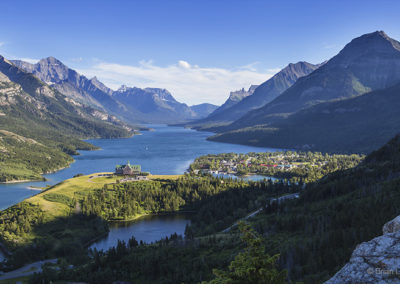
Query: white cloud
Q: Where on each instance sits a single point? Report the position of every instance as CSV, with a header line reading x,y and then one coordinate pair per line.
x,y
274,70
184,64
250,66
29,60
187,83
1,44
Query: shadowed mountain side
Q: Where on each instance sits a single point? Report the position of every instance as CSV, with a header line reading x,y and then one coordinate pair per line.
x,y
203,110
369,62
256,98
359,124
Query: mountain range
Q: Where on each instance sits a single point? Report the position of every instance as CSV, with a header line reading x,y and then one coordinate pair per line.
x,y
153,105
234,98
40,126
133,105
241,102
347,104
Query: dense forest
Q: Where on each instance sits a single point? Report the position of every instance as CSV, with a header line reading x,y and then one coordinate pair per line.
x,y
314,235
317,233
215,204
30,234
209,260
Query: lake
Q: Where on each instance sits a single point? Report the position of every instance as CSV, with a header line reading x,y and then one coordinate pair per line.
x,y
247,177
147,229
166,150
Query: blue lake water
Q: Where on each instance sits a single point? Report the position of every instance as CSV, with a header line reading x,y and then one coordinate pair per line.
x,y
247,178
147,229
166,150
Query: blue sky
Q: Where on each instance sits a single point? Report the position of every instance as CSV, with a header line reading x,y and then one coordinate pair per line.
x,y
199,50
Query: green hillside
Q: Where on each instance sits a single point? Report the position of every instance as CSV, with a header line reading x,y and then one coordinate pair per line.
x,y
39,126
316,234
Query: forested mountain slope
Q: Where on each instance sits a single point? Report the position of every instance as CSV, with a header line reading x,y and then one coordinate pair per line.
x,y
317,233
32,110
355,125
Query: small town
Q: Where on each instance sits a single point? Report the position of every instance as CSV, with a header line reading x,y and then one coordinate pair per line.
x,y
289,164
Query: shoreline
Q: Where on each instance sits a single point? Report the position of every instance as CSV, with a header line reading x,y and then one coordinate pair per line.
x,y
62,168
130,219
35,188
37,180
21,181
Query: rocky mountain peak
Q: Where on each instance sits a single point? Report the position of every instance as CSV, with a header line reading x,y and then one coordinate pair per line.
x,y
297,69
51,61
373,45
4,59
50,69
123,88
99,85
163,94
96,82
238,95
376,261
252,88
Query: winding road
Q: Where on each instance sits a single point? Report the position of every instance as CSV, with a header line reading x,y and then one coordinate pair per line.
x,y
272,200
27,270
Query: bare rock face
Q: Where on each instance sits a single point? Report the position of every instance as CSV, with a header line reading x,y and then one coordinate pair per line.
x,y
376,261
392,226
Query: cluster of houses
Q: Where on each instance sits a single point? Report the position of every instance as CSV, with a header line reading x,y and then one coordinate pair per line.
x,y
231,166
131,172
284,166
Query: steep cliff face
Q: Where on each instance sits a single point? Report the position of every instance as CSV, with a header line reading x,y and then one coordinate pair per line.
x,y
73,85
376,261
234,98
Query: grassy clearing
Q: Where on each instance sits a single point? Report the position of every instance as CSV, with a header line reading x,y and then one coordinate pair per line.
x,y
55,199
172,177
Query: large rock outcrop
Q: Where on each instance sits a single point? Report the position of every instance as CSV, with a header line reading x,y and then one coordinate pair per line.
x,y
376,261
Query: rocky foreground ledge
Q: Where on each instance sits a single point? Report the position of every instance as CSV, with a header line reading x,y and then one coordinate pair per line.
x,y
376,261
